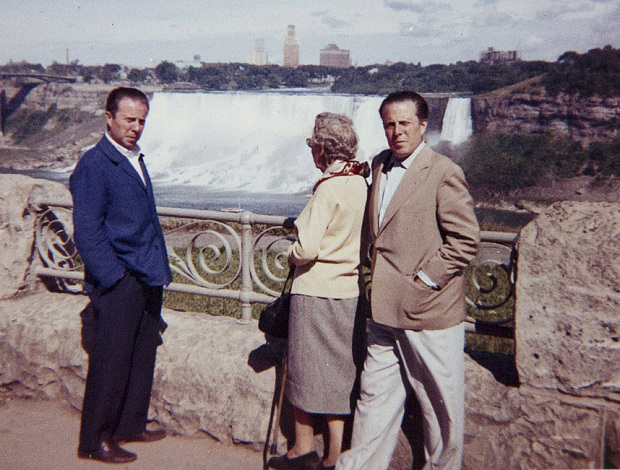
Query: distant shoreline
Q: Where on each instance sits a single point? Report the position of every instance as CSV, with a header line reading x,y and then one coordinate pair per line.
x,y
201,197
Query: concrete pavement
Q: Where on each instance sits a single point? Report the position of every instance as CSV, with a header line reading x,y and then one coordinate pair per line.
x,y
42,435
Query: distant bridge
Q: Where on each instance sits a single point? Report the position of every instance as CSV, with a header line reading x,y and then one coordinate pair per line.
x,y
8,107
45,77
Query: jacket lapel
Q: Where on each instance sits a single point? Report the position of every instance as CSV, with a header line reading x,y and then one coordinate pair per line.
x,y
121,161
147,179
375,194
412,178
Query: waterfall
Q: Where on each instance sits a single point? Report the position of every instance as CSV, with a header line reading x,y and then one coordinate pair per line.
x,y
256,141
457,123
248,141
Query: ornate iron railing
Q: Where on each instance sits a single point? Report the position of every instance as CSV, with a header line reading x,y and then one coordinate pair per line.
x,y
241,256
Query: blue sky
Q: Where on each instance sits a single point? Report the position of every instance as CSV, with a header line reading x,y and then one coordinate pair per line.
x,y
143,33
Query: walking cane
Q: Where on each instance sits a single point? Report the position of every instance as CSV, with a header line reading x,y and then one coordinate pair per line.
x,y
274,445
273,448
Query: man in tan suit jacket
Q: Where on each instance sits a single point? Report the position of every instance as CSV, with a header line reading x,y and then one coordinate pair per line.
x,y
424,233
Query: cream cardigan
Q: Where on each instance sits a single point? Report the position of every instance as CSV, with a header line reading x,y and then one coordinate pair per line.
x,y
327,251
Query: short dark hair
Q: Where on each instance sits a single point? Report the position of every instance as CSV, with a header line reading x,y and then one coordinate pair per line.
x,y
116,95
421,106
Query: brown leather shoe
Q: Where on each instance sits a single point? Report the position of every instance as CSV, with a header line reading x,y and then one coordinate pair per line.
x,y
144,436
108,452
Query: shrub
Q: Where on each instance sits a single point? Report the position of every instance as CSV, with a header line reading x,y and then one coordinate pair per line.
x,y
510,161
595,73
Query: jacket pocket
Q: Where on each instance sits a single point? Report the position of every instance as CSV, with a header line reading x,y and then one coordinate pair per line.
x,y
416,299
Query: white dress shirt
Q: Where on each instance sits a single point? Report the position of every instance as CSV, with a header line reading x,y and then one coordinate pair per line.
x,y
132,155
390,180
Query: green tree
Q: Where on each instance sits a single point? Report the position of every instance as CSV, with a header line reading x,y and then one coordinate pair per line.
x,y
295,78
137,75
505,161
20,67
596,72
605,157
110,73
74,68
167,72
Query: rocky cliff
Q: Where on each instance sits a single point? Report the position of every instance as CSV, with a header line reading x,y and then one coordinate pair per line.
x,y
52,124
88,97
534,112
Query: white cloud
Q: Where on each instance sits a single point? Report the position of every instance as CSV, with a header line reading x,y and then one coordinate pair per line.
x,y
429,31
403,5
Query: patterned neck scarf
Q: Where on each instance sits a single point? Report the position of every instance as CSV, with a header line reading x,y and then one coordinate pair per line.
x,y
350,168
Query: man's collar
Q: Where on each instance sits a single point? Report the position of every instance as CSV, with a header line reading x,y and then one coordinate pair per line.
x,y
407,161
133,153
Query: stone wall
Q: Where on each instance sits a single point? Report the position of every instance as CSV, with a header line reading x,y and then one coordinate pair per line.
x,y
564,413
214,375
217,377
17,229
206,381
568,301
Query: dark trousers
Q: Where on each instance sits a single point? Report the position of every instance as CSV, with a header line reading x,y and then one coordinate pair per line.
x,y
122,362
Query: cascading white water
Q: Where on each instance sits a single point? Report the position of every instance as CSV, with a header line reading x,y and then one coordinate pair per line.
x,y
457,122
255,141
248,141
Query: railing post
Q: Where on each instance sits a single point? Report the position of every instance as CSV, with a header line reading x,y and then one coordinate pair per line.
x,y
247,257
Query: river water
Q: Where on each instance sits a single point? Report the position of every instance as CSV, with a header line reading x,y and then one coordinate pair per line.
x,y
246,150
288,205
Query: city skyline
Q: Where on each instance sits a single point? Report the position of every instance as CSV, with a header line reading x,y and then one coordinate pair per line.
x,y
144,33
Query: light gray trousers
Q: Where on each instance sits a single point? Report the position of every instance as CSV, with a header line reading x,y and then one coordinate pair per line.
x,y
433,363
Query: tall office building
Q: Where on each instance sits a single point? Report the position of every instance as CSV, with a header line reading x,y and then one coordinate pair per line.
x,y
258,56
331,56
291,48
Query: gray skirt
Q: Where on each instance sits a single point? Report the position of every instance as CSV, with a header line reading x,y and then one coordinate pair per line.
x,y
326,350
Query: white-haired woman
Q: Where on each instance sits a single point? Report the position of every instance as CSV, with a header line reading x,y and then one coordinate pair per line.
x,y
326,331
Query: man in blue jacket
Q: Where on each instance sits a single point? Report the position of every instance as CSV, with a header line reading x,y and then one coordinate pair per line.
x,y
119,238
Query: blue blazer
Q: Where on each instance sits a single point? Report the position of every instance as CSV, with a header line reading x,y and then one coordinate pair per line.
x,y
115,221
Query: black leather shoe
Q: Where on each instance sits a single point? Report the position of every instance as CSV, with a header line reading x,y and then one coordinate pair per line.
x,y
108,452
144,436
309,461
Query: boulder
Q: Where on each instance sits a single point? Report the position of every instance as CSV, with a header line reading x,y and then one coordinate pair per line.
x,y
213,376
17,228
521,427
568,299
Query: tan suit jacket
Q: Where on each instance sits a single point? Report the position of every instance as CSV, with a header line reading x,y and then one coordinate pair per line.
x,y
429,225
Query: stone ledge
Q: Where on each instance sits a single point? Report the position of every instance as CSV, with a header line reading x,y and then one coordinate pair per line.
x,y
204,382
215,376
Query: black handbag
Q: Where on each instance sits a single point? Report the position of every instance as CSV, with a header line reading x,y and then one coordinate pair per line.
x,y
273,320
